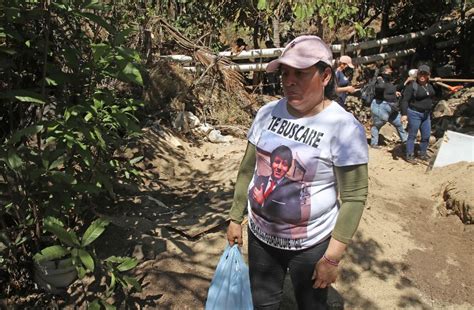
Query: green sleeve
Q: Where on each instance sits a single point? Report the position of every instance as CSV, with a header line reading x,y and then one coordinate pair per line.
x,y
353,187
247,167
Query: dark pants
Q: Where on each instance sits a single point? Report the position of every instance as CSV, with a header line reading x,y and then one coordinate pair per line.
x,y
268,266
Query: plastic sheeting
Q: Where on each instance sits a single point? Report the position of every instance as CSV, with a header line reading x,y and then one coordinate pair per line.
x,y
455,147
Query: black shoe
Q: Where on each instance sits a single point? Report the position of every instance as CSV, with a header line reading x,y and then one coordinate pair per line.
x,y
424,157
410,159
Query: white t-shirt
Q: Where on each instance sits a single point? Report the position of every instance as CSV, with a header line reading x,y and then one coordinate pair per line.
x,y
302,208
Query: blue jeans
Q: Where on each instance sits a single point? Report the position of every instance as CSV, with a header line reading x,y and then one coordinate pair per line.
x,y
381,114
268,266
418,121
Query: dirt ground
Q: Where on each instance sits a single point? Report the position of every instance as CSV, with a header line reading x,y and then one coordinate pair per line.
x,y
407,252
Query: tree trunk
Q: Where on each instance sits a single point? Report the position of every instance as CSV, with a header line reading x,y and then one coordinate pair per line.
x,y
385,27
276,31
256,31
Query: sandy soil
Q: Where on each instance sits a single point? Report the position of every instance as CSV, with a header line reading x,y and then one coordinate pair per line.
x,y
406,254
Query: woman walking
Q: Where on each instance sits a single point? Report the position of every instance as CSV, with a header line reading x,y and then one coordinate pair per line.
x,y
303,152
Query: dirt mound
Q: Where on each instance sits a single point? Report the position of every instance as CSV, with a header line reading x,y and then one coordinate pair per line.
x,y
173,89
455,189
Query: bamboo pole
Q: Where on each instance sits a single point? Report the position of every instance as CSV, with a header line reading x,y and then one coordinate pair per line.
x,y
437,79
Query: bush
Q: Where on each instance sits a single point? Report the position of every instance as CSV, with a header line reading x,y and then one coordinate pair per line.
x,y
62,120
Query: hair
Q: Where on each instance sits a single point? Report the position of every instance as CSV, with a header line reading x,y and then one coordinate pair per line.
x,y
240,42
284,153
330,89
385,68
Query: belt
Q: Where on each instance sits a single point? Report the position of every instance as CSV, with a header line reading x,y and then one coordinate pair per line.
x,y
418,109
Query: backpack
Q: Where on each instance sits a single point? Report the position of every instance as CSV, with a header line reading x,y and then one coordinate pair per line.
x,y
367,93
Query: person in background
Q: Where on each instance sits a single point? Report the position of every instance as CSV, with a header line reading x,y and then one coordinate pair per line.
x,y
416,106
343,86
239,46
385,108
330,154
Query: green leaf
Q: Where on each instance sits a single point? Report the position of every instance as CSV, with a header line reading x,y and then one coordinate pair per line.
x,y
28,131
96,5
112,282
133,282
63,177
55,164
129,263
132,74
99,50
81,272
104,179
8,51
67,237
107,306
331,22
50,253
94,305
94,231
115,259
98,20
99,137
129,53
86,259
262,4
122,36
13,160
53,220
136,160
299,12
24,96
88,117
71,56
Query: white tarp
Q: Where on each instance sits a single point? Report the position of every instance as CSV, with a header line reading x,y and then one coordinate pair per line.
x,y
454,148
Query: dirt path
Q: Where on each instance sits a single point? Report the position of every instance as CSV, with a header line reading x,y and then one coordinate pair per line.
x,y
405,254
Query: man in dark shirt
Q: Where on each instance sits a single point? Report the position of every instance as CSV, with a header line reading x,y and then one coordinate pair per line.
x,y
384,107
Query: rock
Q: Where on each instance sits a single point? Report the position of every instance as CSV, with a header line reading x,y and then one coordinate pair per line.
x,y
442,109
454,200
389,133
185,121
215,136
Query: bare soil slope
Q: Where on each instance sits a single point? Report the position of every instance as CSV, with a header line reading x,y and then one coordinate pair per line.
x,y
406,254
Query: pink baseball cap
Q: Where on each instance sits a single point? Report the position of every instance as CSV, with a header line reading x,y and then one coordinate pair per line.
x,y
302,53
347,60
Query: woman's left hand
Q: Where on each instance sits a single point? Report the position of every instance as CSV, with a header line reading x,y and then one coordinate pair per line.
x,y
324,274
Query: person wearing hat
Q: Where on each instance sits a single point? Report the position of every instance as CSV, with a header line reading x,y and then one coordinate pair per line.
x,y
343,87
329,155
416,106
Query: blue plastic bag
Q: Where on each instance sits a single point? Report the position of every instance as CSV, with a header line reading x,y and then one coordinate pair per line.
x,y
230,286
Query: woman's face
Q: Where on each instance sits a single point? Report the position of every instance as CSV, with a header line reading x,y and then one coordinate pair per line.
x,y
304,88
423,77
342,66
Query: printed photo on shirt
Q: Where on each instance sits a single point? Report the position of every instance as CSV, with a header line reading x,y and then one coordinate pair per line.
x,y
277,194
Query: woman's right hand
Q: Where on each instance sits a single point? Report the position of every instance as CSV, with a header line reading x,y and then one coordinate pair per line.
x,y
234,233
